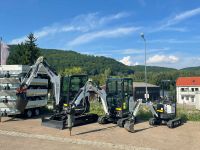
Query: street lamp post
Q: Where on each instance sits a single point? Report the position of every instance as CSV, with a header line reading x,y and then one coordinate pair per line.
x,y
145,68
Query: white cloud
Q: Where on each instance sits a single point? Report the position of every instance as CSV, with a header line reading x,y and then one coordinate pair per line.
x,y
82,23
162,59
166,24
46,31
88,37
107,19
186,61
128,61
18,40
183,16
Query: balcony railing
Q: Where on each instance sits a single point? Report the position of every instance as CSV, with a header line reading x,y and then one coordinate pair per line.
x,y
189,92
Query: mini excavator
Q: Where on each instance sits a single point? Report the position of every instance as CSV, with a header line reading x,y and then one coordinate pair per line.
x,y
65,90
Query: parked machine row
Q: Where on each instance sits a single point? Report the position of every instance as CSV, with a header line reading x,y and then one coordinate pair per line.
x,y
71,95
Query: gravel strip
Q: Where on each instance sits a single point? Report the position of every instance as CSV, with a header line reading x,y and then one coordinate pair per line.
x,y
73,141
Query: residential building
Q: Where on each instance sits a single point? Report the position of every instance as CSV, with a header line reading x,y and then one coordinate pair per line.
x,y
187,89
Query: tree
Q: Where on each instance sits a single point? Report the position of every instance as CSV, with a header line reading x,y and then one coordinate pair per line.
x,y
25,53
16,55
72,71
32,52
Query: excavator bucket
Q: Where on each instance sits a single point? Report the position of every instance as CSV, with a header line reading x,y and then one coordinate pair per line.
x,y
21,102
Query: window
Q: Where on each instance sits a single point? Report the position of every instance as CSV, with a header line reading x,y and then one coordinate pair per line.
x,y
119,86
196,89
192,89
182,97
128,87
186,89
111,87
182,89
192,99
187,98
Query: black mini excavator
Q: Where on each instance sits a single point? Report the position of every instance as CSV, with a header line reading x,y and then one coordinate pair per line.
x,y
122,108
164,113
65,90
119,99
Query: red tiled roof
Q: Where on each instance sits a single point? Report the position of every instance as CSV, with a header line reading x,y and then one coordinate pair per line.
x,y
188,81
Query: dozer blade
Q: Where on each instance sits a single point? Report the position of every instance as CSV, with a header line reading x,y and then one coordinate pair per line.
x,y
52,123
61,124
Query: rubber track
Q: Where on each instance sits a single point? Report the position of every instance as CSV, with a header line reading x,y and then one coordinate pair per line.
x,y
73,141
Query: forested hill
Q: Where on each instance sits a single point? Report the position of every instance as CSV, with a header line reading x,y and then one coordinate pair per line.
x,y
90,64
93,65
140,68
191,69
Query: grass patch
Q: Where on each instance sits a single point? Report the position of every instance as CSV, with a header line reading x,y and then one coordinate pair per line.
x,y
185,113
144,113
96,108
188,113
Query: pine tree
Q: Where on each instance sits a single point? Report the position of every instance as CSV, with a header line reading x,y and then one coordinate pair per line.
x,y
32,52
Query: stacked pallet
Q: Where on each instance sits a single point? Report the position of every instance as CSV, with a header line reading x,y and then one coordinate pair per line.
x,y
10,78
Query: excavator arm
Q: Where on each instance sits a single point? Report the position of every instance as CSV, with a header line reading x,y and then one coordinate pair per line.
x,y
90,86
137,105
54,77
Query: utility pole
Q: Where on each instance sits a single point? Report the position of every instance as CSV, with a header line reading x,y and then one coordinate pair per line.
x,y
145,69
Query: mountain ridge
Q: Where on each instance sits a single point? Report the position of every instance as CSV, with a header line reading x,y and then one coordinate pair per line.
x,y
62,59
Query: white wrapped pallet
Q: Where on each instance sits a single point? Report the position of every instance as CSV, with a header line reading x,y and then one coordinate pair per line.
x,y
10,79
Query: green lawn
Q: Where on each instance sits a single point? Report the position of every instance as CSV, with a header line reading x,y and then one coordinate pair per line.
x,y
186,113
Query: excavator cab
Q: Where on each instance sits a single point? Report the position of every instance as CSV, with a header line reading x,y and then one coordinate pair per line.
x,y
70,86
119,93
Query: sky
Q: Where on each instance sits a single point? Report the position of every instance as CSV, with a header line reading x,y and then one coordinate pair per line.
x,y
110,28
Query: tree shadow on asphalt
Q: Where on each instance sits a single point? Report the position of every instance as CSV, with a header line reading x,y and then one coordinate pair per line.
x,y
97,130
140,130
